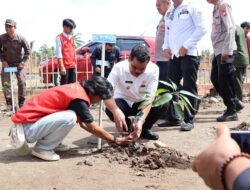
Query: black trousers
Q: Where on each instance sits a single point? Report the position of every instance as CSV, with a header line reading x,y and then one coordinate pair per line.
x,y
170,113
106,72
222,77
186,69
70,76
154,114
163,72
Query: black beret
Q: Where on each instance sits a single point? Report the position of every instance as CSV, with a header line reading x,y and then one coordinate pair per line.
x,y
245,24
69,23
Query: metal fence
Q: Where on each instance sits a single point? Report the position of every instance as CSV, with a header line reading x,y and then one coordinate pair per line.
x,y
38,72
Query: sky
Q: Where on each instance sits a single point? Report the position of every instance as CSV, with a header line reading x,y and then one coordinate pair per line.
x,y
41,21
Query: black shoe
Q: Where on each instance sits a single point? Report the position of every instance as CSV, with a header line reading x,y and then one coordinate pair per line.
x,y
169,123
228,116
21,102
239,106
150,135
186,126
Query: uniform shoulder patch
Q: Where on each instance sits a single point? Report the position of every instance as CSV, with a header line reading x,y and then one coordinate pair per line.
x,y
223,10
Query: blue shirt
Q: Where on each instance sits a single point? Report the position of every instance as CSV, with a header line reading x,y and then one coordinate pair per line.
x,y
242,182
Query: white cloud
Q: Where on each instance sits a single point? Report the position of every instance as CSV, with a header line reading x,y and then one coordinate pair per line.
x,y
42,20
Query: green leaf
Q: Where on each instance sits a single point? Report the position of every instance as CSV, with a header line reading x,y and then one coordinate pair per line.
x,y
166,83
189,94
174,86
161,100
178,109
185,104
161,90
186,100
145,103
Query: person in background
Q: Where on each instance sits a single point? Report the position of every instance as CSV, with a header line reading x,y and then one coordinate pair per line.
x,y
131,79
184,28
162,62
48,117
11,47
241,62
222,165
246,28
223,69
169,118
112,55
65,52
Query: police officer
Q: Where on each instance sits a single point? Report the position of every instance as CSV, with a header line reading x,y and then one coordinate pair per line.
x,y
112,55
184,28
11,46
223,69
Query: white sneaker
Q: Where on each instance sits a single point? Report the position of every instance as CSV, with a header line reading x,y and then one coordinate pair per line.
x,y
62,148
48,155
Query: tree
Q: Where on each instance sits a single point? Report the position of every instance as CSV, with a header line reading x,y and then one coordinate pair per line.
x,y
45,50
78,40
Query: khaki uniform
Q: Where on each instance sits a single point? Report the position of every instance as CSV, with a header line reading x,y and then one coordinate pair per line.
x,y
223,40
223,30
11,52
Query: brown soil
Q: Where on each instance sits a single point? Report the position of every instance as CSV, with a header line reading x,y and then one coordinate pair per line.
x,y
141,166
244,126
140,156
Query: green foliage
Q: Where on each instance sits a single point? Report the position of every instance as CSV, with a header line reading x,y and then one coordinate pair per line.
x,y
79,42
162,96
45,50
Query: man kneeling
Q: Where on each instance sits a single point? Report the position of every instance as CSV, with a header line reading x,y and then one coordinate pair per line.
x,y
49,116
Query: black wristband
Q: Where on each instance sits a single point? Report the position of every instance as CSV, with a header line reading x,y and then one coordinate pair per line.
x,y
226,163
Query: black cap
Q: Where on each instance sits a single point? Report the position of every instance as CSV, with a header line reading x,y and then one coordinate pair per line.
x,y
245,24
69,23
10,22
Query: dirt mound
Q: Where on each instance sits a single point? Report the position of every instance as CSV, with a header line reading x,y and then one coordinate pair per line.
x,y
244,126
139,156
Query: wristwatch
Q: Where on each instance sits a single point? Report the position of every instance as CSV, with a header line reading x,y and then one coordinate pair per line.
x,y
115,139
139,116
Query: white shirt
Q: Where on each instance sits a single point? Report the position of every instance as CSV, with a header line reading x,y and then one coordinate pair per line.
x,y
129,87
184,26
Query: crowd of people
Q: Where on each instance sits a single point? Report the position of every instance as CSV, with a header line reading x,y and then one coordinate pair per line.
x,y
48,117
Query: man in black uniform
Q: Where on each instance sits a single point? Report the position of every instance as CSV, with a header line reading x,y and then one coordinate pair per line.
x,y
112,55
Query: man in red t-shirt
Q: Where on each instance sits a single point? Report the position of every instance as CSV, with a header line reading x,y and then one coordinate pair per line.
x,y
48,117
65,52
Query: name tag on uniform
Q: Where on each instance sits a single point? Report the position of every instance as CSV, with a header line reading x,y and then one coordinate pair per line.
x,y
99,62
184,14
129,82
